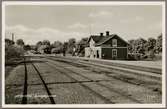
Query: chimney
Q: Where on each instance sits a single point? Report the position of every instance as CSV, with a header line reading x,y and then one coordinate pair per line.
x,y
107,33
101,34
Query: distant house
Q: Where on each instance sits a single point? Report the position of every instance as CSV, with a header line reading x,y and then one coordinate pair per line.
x,y
107,47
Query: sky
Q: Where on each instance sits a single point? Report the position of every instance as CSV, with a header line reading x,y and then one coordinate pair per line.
x,y
34,23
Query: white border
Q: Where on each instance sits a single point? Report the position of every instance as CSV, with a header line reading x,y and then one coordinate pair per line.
x,y
81,3
164,55
85,3
3,55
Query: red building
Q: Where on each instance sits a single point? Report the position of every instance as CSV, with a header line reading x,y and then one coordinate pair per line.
x,y
107,47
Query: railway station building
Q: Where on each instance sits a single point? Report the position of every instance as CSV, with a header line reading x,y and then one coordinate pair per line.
x,y
107,47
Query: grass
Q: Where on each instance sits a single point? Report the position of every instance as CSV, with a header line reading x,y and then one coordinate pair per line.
x,y
10,64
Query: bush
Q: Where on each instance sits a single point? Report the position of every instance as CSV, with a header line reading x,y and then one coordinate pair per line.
x,y
57,50
136,56
131,57
13,52
151,54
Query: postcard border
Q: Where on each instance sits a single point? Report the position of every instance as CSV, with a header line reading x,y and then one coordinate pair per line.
x,y
83,105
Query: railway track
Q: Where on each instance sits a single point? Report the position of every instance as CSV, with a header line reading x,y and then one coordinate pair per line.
x,y
125,76
97,82
102,85
56,76
47,89
24,99
81,83
115,66
134,67
45,85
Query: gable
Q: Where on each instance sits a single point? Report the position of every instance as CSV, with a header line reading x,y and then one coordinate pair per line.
x,y
91,42
120,42
108,41
96,39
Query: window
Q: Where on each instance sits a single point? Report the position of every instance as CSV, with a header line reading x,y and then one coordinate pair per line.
x,y
114,53
114,42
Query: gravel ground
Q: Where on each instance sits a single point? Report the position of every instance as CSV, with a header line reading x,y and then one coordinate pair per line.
x,y
14,86
74,94
33,77
8,69
141,93
77,77
63,79
99,73
138,92
13,94
81,71
37,95
50,75
16,76
112,96
152,64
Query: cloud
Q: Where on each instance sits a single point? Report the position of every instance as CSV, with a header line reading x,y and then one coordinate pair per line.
x,y
100,14
155,26
32,36
77,25
21,28
132,20
139,18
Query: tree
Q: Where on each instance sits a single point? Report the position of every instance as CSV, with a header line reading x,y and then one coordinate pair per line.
x,y
9,42
39,43
46,46
151,44
137,46
65,45
151,47
20,42
131,46
13,52
46,42
141,43
27,47
72,41
57,44
71,45
57,47
80,46
159,43
43,46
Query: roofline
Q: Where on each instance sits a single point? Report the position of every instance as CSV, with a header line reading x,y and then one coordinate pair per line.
x,y
123,40
112,37
106,39
89,38
92,38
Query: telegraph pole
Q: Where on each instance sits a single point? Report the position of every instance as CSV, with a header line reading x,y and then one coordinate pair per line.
x,y
13,37
90,27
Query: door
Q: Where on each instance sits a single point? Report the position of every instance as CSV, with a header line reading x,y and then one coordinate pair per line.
x,y
114,53
97,53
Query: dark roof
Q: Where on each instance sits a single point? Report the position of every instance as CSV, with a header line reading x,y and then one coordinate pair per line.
x,y
102,39
96,38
